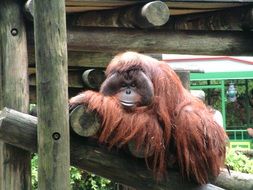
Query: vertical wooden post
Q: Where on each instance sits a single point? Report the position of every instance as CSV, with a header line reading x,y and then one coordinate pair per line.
x,y
15,167
52,94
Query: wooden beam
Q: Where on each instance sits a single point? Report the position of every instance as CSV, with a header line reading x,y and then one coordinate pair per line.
x,y
154,13
83,122
15,163
85,59
52,94
80,59
93,78
247,152
19,129
161,41
234,180
233,19
74,78
176,6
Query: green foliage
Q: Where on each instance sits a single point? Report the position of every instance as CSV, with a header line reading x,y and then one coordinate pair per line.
x,y
94,182
239,162
79,179
35,172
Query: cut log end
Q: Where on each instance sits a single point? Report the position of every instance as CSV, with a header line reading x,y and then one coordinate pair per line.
x,y
156,13
84,122
93,78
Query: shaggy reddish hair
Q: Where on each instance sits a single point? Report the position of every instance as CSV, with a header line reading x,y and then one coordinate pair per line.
x,y
176,123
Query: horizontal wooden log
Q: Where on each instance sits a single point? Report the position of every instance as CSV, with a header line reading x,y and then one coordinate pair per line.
x,y
86,59
74,78
177,6
155,13
20,130
235,180
73,6
247,152
238,18
87,124
93,78
233,19
83,122
161,41
104,3
158,41
9,120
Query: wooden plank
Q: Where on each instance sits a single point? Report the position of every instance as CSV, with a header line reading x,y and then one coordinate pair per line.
x,y
15,166
52,94
17,128
160,41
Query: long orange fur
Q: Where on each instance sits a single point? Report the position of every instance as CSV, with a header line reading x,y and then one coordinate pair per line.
x,y
174,121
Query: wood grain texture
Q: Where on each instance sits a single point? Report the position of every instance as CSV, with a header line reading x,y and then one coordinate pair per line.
x,y
86,154
52,94
83,122
160,41
117,40
232,19
15,167
147,15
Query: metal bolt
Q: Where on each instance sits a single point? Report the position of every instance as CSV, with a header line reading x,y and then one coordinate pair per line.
x,y
56,136
14,31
